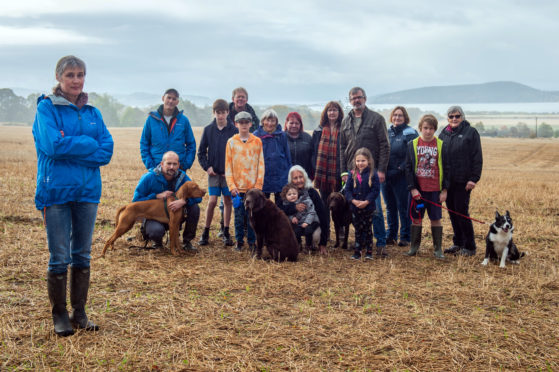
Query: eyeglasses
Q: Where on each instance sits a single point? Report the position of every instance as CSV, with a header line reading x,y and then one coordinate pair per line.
x,y
356,98
454,116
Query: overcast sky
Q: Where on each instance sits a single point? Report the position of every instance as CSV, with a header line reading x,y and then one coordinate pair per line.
x,y
281,51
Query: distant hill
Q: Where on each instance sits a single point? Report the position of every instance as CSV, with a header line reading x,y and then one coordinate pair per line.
x,y
494,92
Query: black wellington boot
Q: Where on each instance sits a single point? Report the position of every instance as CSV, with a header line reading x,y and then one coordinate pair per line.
x,y
79,285
56,287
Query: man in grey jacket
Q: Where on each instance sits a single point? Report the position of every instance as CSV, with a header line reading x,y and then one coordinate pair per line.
x,y
366,128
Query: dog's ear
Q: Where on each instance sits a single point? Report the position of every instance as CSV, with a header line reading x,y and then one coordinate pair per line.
x,y
497,215
182,190
508,214
259,200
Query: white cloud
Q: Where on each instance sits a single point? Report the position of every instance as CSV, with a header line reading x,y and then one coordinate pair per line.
x,y
25,36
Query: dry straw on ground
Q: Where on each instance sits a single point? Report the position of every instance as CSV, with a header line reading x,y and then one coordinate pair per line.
x,y
221,310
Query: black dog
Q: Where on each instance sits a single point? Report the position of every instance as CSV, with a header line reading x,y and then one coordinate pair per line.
x,y
499,241
271,226
341,215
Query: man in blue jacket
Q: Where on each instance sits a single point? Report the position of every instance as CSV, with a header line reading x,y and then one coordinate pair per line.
x,y
159,183
167,129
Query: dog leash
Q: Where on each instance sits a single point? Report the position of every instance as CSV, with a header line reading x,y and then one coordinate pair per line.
x,y
413,204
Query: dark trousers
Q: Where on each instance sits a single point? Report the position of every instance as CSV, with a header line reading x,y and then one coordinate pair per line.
x,y
458,200
324,196
277,198
155,230
307,232
362,222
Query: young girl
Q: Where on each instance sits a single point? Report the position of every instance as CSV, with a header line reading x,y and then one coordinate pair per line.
x,y
303,222
361,190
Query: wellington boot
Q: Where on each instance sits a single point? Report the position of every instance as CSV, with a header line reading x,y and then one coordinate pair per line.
x,y
437,232
415,240
79,285
56,287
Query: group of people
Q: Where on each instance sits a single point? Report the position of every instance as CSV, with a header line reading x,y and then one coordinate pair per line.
x,y
355,154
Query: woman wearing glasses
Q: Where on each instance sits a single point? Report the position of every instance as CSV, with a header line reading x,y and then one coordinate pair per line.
x,y
462,148
395,188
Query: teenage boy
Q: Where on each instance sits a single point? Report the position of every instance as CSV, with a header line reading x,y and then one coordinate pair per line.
x,y
244,170
211,156
427,177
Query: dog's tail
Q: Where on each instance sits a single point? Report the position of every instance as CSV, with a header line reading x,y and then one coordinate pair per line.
x,y
118,214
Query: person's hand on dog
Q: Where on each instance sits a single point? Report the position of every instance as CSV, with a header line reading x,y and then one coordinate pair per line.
x,y
164,194
442,196
175,205
300,207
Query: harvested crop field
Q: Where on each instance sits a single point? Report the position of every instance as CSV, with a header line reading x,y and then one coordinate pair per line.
x,y
222,310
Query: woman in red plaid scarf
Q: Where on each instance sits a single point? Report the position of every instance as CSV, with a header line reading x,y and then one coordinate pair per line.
x,y
326,156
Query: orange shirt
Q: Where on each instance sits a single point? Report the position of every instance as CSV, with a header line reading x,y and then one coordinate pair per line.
x,y
244,163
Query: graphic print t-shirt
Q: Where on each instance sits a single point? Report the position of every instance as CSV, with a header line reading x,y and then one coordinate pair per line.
x,y
427,165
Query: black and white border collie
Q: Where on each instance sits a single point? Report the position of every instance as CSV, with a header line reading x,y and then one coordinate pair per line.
x,y
499,242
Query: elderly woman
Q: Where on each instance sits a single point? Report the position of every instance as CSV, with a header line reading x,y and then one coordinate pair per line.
x,y
394,189
326,155
298,176
300,142
277,158
72,142
462,148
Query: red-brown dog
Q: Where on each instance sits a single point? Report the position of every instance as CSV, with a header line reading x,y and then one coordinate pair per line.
x,y
154,210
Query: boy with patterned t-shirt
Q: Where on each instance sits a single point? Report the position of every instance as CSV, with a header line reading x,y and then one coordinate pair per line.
x,y
427,177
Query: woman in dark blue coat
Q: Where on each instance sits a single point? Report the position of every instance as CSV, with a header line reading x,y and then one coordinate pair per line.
x,y
394,189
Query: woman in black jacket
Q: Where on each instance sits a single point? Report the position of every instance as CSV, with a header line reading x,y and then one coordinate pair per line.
x,y
462,149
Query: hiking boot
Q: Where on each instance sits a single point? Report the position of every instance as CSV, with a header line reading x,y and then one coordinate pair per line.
x,y
381,252
187,246
356,256
204,239
453,250
239,246
227,240
466,252
369,255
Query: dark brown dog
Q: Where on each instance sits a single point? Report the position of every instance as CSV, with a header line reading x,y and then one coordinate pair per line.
x,y
272,226
341,215
154,210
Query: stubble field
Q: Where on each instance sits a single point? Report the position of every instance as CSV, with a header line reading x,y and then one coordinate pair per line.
x,y
222,310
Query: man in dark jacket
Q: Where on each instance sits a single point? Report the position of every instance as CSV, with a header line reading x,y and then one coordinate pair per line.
x,y
366,128
239,104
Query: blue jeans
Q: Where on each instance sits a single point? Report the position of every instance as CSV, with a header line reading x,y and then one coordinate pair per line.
x,y
241,220
397,199
69,233
378,224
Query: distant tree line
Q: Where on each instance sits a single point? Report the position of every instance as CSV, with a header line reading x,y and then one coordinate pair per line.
x,y
519,130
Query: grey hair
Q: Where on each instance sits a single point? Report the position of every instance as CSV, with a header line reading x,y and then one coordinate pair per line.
x,y
68,61
355,90
308,182
452,109
269,113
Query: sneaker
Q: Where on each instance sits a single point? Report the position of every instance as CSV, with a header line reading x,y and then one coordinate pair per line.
x,y
155,245
369,255
187,246
239,246
453,250
356,256
390,241
403,243
466,252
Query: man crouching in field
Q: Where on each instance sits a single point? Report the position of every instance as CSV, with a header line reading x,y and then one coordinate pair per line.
x,y
159,183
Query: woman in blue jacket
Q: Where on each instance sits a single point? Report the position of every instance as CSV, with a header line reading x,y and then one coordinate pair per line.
x,y
72,142
394,189
277,157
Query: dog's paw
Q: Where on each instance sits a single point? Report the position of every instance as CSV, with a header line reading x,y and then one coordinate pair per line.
x,y
485,262
502,266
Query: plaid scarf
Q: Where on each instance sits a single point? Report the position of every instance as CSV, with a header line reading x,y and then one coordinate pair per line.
x,y
326,176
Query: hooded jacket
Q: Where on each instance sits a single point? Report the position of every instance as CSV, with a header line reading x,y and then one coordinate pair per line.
x,y
211,152
244,163
153,183
411,165
372,134
462,150
158,138
277,158
71,144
